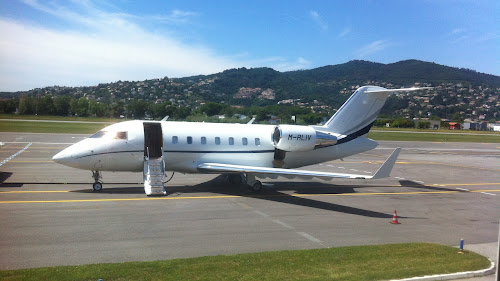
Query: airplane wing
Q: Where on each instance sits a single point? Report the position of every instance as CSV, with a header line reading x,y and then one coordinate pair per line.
x,y
382,172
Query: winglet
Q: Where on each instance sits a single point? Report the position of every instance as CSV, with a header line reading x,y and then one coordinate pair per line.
x,y
385,170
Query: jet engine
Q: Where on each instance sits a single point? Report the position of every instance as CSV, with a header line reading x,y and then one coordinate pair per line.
x,y
301,138
294,138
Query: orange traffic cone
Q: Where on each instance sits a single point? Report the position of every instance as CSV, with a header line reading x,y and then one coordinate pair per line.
x,y
395,218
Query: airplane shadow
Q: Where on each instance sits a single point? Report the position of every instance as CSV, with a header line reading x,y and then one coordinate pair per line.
x,y
4,176
412,184
276,193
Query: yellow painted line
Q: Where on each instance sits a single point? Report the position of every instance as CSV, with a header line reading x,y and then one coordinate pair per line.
x,y
124,199
469,184
241,196
354,186
33,161
445,164
36,191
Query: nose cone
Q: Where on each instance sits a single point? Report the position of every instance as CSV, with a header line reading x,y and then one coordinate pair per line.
x,y
63,157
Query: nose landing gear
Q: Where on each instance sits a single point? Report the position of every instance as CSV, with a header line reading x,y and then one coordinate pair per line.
x,y
97,186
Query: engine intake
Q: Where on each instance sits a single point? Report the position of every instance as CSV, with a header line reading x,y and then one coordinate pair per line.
x,y
294,138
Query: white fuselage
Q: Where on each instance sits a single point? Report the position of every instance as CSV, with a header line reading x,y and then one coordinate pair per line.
x,y
186,145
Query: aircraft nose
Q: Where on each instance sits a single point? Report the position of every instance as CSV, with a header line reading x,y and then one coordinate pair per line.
x,y
62,157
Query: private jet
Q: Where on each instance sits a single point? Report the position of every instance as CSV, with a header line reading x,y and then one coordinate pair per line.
x,y
243,152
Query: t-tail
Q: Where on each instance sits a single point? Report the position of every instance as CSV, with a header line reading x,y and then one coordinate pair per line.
x,y
357,115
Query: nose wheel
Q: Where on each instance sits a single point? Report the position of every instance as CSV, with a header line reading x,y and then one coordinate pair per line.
x,y
97,186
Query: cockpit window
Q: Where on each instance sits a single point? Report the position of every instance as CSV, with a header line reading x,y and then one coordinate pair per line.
x,y
98,135
110,135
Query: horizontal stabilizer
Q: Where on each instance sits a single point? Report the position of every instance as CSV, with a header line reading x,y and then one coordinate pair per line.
x,y
385,170
218,168
396,90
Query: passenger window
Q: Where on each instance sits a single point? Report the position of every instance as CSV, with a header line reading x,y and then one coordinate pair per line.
x,y
203,140
257,141
244,141
231,141
175,139
189,140
217,140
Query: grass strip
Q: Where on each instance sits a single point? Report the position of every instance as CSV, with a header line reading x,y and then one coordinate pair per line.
x,y
50,127
58,118
86,128
396,136
379,262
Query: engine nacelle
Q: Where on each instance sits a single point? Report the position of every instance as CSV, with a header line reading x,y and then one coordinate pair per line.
x,y
294,138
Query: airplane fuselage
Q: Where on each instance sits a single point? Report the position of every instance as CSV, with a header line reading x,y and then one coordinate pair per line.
x,y
120,147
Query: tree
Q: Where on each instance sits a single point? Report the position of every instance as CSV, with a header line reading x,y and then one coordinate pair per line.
x,y
73,106
82,108
457,117
182,113
137,108
403,123
62,105
211,108
26,105
8,106
423,125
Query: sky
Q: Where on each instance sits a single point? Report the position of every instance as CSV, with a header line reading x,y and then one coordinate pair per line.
x,y
86,42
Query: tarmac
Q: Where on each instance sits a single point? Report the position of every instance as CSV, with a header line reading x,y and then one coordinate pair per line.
x,y
443,192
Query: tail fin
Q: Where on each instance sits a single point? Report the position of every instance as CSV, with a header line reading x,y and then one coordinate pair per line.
x,y
357,114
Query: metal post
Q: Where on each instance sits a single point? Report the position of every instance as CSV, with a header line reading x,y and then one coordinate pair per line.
x,y
498,253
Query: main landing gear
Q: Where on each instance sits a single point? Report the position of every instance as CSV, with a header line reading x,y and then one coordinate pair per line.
x,y
97,186
253,184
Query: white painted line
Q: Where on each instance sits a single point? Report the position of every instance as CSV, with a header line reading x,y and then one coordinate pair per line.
x,y
309,237
367,172
330,166
15,154
419,182
34,142
488,193
399,178
321,164
283,224
341,167
464,189
261,213
353,170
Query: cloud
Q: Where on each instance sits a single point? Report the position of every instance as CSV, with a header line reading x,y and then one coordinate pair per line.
x,y
372,48
281,63
344,32
318,20
104,47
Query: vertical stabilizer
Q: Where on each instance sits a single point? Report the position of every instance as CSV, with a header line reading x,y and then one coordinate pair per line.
x,y
357,114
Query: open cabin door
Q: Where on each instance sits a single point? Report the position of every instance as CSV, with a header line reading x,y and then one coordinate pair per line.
x,y
154,164
153,139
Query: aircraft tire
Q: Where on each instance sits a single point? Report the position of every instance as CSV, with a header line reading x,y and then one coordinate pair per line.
x,y
256,187
97,186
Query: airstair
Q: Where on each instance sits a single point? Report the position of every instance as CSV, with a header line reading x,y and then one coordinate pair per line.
x,y
154,171
154,159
